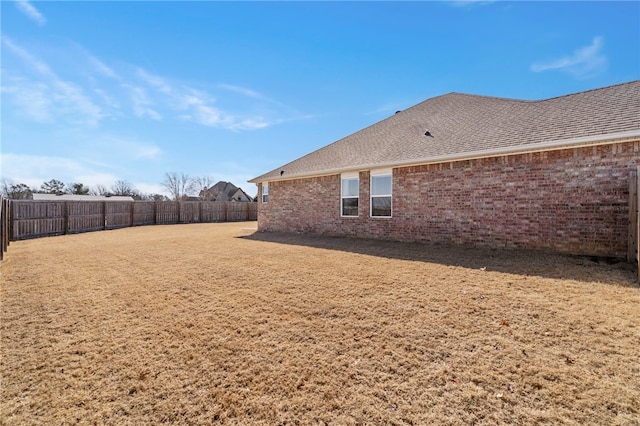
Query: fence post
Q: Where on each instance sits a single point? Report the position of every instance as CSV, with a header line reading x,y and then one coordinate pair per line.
x,y
3,229
634,219
633,211
65,221
10,214
131,213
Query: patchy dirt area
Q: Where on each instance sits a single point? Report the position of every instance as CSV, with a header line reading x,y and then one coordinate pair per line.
x,y
216,324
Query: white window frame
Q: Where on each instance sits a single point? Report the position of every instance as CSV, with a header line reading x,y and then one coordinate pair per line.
x,y
265,192
376,174
349,176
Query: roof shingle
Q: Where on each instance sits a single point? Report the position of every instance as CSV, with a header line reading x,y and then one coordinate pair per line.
x,y
461,123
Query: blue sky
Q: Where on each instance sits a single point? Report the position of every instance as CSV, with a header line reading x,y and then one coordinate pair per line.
x,y
95,92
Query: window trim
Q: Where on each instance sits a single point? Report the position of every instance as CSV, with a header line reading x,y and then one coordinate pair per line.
x,y
263,193
349,176
380,173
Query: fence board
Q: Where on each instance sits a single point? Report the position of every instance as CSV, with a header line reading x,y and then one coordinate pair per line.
x,y
189,212
212,211
117,214
33,219
632,246
167,212
144,213
237,212
3,231
84,216
5,221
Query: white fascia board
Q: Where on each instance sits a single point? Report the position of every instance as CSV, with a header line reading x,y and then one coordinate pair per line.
x,y
595,140
350,175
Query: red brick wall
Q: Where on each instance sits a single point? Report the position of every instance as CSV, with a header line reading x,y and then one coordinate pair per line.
x,y
571,201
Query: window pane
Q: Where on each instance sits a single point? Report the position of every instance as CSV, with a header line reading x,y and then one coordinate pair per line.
x,y
349,207
350,187
380,185
381,206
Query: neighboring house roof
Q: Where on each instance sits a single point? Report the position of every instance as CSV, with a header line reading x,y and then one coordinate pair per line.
x,y
240,195
73,197
464,126
224,191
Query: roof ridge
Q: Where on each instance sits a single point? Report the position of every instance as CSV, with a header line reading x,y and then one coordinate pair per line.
x,y
590,90
500,98
535,100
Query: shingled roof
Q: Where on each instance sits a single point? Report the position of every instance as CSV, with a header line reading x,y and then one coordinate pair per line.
x,y
223,191
470,126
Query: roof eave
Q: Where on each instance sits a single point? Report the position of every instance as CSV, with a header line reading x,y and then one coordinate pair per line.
x,y
470,155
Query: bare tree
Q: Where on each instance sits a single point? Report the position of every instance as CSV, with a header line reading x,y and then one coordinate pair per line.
x,y
99,190
15,191
200,186
177,185
156,197
124,188
5,187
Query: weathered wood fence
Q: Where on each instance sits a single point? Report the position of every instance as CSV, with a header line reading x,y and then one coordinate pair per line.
x,y
633,253
34,219
5,225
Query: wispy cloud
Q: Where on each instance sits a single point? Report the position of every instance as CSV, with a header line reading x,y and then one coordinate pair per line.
x,y
35,169
97,159
585,62
29,98
133,149
31,60
92,90
155,81
102,68
48,96
104,148
142,105
199,107
242,90
31,12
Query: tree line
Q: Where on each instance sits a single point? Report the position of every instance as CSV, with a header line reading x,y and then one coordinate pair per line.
x,y
178,185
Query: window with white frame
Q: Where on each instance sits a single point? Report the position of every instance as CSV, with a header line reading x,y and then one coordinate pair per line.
x,y
265,192
381,182
349,194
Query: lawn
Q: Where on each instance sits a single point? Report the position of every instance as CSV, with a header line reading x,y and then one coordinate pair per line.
x,y
217,324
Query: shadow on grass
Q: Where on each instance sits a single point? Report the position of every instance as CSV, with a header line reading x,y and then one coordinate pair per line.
x,y
512,261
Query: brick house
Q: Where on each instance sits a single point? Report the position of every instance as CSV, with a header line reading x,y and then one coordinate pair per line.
x,y
465,169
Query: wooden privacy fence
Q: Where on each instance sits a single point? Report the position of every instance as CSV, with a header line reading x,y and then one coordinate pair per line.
x,y
5,222
33,219
633,246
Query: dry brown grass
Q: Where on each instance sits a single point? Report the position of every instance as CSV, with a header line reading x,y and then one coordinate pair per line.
x,y
191,324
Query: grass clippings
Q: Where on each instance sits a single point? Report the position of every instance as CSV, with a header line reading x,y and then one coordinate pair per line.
x,y
216,324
